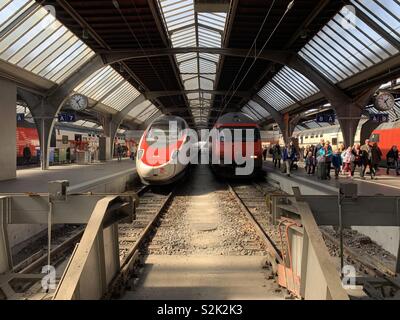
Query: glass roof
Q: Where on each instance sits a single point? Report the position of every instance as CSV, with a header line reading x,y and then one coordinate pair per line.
x,y
188,28
255,111
108,87
33,39
385,13
143,111
345,46
275,96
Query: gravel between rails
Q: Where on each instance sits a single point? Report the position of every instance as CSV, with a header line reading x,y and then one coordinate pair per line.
x,y
233,235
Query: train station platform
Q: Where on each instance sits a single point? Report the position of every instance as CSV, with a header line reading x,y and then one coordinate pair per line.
x,y
387,185
101,177
309,184
82,178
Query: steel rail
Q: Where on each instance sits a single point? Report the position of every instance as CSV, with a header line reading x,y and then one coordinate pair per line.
x,y
133,255
275,254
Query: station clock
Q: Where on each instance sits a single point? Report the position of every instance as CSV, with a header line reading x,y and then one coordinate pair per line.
x,y
384,101
78,102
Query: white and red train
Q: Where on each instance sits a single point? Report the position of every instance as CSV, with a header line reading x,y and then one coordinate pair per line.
x,y
158,161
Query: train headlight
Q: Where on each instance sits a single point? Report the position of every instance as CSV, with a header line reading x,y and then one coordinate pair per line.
x,y
253,157
140,154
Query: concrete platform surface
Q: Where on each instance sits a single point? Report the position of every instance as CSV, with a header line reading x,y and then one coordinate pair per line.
x,y
203,277
35,180
388,185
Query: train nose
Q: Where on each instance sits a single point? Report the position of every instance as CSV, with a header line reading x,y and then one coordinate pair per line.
x,y
155,173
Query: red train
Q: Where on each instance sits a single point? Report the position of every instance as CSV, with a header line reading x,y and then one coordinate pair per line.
x,y
235,146
387,135
27,136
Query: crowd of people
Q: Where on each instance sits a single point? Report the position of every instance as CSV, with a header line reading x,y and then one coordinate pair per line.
x,y
321,159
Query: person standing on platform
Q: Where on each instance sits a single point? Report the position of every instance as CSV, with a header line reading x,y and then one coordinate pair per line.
x,y
392,159
119,152
337,162
312,150
68,155
310,163
325,154
133,152
358,159
301,154
318,147
305,155
264,153
376,157
277,155
288,156
27,154
366,150
348,161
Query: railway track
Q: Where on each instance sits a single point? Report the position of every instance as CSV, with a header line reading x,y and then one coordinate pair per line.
x,y
251,199
376,278
134,236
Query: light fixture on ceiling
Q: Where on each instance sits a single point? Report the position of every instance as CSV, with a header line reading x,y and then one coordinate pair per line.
x,y
85,34
304,34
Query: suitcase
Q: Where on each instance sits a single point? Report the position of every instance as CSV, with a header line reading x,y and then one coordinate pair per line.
x,y
321,171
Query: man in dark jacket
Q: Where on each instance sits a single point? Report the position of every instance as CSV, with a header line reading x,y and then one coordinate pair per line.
x,y
376,157
392,159
27,154
319,146
366,156
288,155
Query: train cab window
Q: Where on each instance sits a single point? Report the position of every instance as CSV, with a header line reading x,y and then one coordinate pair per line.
x,y
249,134
334,141
321,135
162,132
374,137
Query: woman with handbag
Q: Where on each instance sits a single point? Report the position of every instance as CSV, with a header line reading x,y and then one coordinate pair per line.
x,y
392,159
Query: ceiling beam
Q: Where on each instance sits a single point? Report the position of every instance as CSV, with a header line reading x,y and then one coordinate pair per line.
x,y
110,57
158,94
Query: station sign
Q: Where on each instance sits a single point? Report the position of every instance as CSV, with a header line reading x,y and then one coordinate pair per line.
x,y
326,117
379,117
20,117
66,117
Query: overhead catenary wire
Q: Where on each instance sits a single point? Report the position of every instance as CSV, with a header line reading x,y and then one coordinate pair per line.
x,y
117,6
250,50
149,40
290,5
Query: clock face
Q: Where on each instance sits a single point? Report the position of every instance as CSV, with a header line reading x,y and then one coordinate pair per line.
x,y
384,101
78,102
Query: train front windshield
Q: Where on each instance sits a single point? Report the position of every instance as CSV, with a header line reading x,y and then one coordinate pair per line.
x,y
165,132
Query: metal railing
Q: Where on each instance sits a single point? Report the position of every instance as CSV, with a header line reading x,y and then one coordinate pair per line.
x,y
95,260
